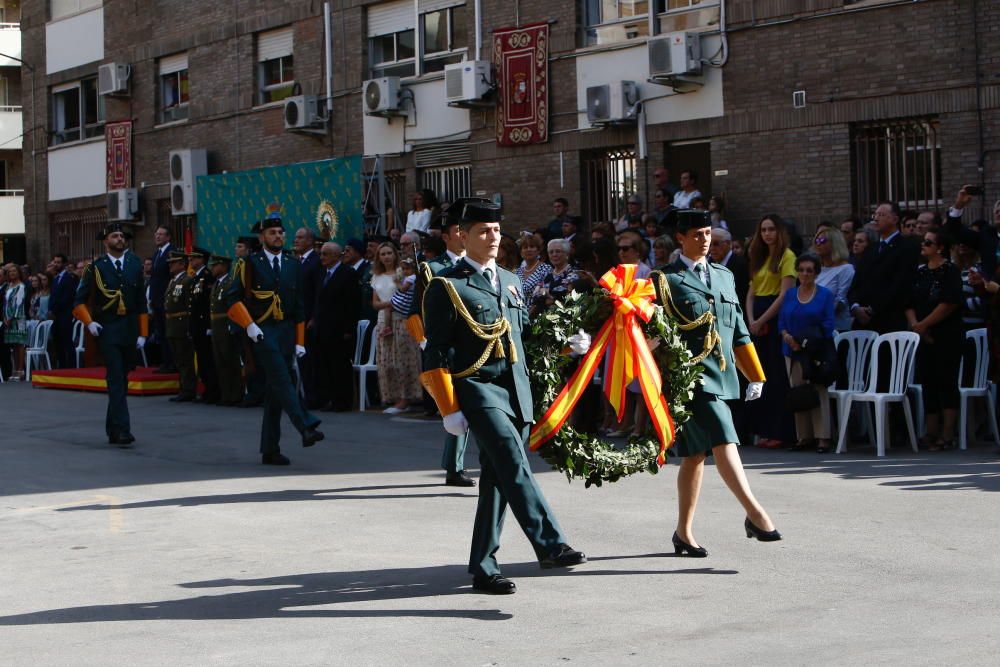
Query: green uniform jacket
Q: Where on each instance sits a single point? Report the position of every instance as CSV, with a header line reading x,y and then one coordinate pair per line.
x,y
218,307
691,297
201,295
255,274
177,305
103,306
437,266
451,344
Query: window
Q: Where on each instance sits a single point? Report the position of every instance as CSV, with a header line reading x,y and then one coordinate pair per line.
x,y
61,8
609,21
448,183
609,177
393,28
174,95
275,65
898,161
77,111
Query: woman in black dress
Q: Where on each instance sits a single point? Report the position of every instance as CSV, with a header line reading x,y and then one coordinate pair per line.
x,y
934,313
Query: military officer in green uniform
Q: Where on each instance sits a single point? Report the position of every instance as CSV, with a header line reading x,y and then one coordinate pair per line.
x,y
111,303
265,298
225,343
453,457
474,364
701,296
177,307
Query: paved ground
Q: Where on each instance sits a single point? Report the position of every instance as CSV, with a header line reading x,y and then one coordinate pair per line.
x,y
185,551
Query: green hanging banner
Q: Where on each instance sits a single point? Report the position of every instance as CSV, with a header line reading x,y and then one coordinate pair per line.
x,y
324,196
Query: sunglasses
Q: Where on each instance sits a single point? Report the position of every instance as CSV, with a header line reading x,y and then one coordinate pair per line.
x,y
820,240
625,248
925,243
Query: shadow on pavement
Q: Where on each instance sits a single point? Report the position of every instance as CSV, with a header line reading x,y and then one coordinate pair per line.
x,y
289,495
306,595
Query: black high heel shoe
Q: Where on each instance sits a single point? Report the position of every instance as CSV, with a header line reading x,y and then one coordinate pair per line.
x,y
762,535
682,548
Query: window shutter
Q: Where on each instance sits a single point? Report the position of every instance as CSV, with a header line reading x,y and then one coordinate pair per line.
x,y
434,5
175,63
274,44
391,17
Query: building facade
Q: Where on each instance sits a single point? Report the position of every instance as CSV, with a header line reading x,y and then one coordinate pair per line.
x,y
814,109
12,238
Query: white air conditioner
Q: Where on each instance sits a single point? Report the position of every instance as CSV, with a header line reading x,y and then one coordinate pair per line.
x,y
467,81
677,54
301,112
123,204
186,164
112,78
612,103
381,96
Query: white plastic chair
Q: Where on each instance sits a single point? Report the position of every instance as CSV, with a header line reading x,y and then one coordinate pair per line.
x,y
38,348
364,366
79,343
980,388
859,348
902,350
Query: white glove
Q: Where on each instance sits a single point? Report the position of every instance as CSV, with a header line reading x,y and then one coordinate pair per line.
x,y
254,332
208,332
580,342
300,351
95,329
456,424
754,390
140,342
423,344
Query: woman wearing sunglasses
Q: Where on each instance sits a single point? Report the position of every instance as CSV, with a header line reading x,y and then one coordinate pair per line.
x,y
837,274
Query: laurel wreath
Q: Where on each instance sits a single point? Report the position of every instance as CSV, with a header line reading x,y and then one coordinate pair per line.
x,y
585,455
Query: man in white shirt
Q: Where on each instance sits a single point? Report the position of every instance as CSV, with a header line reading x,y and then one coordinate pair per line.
x,y
688,191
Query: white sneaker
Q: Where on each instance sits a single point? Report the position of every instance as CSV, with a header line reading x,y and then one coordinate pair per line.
x,y
392,410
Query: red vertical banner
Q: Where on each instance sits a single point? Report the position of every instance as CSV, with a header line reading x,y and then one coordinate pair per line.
x,y
118,138
521,59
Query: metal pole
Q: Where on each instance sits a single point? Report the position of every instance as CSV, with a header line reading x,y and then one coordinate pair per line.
x,y
328,58
380,175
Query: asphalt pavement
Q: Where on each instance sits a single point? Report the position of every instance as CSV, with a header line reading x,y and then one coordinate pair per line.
x,y
186,551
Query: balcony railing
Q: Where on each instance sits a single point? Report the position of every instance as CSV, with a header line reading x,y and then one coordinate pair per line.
x,y
11,193
10,108
10,26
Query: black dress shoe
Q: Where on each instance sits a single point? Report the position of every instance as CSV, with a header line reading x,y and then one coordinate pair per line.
x,y
123,440
682,548
459,479
761,535
182,398
563,556
311,436
274,460
496,584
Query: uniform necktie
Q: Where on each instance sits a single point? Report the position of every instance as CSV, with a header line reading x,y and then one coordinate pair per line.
x,y
488,274
702,271
118,266
276,265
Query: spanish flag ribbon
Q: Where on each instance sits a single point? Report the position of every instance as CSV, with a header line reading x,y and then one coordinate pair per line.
x,y
629,359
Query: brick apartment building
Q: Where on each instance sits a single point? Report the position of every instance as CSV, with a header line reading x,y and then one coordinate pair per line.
x,y
11,124
812,108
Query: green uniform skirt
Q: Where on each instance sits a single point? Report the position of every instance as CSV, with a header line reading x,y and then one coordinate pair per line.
x,y
710,425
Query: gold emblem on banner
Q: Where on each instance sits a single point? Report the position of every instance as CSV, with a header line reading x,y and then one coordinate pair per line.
x,y
326,220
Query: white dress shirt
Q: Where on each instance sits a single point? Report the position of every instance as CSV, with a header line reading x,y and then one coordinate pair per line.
x,y
491,265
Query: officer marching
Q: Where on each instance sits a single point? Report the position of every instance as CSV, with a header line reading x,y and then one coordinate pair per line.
x,y
453,457
474,364
177,309
701,296
265,298
225,344
111,303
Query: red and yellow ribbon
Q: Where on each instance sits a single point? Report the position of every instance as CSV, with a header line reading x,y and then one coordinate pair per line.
x,y
629,359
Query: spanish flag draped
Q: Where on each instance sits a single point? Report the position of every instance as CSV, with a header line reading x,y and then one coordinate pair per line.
x,y
629,358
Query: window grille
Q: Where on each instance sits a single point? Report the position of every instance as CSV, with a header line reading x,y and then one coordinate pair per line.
x,y
897,161
76,233
448,183
609,177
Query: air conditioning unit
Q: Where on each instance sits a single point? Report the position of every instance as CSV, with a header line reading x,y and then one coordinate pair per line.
x,y
186,164
301,112
677,54
612,102
123,205
381,96
467,81
112,78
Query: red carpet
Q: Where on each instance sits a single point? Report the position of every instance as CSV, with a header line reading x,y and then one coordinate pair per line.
x,y
141,382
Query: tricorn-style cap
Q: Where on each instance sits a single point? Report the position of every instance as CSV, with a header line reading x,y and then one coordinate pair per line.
x,y
177,256
691,219
111,228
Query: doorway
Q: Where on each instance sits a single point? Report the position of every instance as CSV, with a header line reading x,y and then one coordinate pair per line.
x,y
691,155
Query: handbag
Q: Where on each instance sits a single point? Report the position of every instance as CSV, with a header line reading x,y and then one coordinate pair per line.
x,y
819,360
802,398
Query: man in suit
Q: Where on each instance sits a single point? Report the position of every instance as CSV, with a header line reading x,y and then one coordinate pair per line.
x,y
302,244
201,323
989,235
63,292
333,325
177,314
453,456
354,257
158,280
489,395
721,252
692,289
265,298
885,275
111,303
225,342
